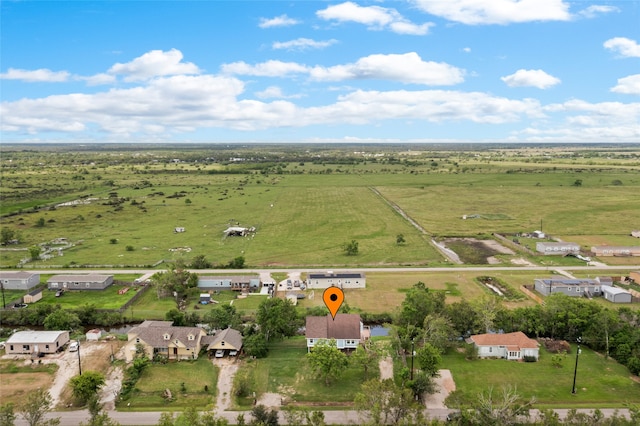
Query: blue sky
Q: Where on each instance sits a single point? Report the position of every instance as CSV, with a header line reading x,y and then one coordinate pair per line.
x,y
320,71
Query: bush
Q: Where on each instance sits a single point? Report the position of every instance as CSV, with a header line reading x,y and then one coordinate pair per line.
x,y
529,358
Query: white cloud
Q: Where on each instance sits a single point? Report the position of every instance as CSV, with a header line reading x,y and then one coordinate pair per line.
x,y
265,69
278,21
405,68
98,79
624,46
595,10
530,78
39,75
628,85
466,49
478,12
153,64
274,92
303,44
374,17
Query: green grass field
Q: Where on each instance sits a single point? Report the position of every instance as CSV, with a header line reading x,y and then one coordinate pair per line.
x,y
102,299
285,371
305,214
148,394
600,383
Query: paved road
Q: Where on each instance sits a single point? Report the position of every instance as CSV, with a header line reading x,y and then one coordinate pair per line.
x,y
73,418
394,269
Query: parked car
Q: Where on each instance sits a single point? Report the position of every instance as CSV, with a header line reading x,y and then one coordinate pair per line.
x,y
59,293
73,346
20,305
233,353
219,353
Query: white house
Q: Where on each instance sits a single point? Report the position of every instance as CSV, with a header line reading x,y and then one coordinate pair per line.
x,y
346,329
30,342
557,248
338,279
512,346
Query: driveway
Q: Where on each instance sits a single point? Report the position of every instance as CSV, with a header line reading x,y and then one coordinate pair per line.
x,y
228,368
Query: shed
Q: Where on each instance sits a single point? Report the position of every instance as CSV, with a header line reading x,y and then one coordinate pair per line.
x,y
94,335
33,296
205,298
616,295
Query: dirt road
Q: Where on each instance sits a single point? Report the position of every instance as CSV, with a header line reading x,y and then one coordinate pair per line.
x,y
228,369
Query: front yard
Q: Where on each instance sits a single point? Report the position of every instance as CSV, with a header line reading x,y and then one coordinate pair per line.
x,y
191,383
285,371
600,383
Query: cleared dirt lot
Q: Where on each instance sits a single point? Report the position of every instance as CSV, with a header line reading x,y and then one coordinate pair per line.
x,y
15,386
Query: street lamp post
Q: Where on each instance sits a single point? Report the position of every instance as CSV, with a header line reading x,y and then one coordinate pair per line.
x,y
575,369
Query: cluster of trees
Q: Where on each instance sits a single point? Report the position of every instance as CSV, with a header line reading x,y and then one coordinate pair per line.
x,y
424,319
201,262
53,317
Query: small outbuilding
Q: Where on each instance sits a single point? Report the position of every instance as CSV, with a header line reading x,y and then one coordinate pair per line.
x,y
205,298
616,295
93,335
33,296
36,342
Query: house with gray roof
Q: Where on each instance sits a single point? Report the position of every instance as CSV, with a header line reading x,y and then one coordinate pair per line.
x,y
20,280
346,329
161,338
575,287
226,340
234,282
336,279
79,282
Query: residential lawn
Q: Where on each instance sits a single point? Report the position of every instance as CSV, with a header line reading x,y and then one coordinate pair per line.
x,y
285,371
102,299
249,305
148,394
600,383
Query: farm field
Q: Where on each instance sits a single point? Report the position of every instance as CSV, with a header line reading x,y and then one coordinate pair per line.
x,y
600,383
306,203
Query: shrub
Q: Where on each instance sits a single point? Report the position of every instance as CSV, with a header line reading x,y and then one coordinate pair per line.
x,y
529,358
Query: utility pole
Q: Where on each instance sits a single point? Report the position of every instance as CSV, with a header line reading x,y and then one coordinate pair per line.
x,y
575,370
413,353
79,364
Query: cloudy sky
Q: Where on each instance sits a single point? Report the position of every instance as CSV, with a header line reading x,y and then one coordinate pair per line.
x,y
287,71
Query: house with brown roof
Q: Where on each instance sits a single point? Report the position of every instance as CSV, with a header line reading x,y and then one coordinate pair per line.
x,y
161,338
346,329
512,346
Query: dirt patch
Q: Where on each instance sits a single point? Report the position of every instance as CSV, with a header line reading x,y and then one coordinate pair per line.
x,y
521,261
473,251
386,368
270,400
444,386
16,385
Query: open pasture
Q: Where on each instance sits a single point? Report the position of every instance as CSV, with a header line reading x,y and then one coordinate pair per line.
x,y
306,203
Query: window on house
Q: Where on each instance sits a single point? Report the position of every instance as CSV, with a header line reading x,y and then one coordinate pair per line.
x,y
490,349
54,285
11,347
191,337
25,347
46,346
88,285
137,340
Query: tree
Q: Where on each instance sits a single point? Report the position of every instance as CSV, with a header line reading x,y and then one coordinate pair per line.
x,y
487,308
200,262
34,252
236,263
351,248
577,182
175,280
464,318
505,409
98,416
61,320
86,385
365,356
421,384
40,222
327,361
222,317
277,318
418,303
129,248
113,241
7,414
255,345
175,316
438,331
400,239
264,417
37,403
428,358
384,402
6,235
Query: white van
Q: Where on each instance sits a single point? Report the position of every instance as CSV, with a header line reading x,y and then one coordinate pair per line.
x,y
73,346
